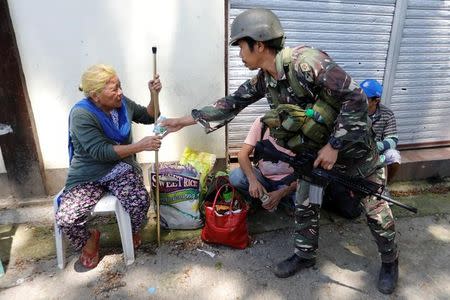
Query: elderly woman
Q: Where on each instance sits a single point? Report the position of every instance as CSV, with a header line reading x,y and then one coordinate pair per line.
x,y
102,158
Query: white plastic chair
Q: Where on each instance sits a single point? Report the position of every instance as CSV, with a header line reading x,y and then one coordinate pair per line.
x,y
108,204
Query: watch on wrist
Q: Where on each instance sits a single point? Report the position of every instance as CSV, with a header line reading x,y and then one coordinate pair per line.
x,y
335,143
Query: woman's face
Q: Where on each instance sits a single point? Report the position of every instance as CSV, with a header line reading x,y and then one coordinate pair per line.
x,y
110,97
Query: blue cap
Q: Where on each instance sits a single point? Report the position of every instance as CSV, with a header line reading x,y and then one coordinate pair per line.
x,y
372,88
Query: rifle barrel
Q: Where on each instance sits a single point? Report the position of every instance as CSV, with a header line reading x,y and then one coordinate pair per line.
x,y
405,206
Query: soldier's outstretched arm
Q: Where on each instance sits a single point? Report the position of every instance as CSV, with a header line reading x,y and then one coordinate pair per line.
x,y
221,112
175,124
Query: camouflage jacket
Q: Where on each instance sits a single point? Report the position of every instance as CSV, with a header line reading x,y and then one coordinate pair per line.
x,y
324,79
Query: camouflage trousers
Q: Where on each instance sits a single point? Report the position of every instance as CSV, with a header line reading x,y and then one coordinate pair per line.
x,y
379,219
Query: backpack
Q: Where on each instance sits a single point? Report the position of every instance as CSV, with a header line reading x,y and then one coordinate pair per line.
x,y
340,200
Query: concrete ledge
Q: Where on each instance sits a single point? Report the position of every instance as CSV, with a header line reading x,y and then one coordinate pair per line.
x,y
424,163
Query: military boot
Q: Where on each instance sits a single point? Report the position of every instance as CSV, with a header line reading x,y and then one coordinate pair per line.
x,y
387,280
291,265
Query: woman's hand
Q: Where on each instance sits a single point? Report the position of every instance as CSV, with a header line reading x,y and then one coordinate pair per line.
x,y
175,124
155,85
150,143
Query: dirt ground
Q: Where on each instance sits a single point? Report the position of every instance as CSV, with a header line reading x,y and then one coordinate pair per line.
x,y
347,268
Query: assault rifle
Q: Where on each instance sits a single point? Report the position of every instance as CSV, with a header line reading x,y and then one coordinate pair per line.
x,y
303,167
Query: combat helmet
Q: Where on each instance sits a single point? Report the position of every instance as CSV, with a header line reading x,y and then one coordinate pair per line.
x,y
259,24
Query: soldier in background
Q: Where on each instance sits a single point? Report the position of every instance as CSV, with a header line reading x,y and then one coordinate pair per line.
x,y
384,126
338,198
304,76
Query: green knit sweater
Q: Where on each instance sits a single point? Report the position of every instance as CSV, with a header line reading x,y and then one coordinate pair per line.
x,y
94,155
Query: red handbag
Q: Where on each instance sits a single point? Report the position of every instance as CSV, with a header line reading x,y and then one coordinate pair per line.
x,y
228,228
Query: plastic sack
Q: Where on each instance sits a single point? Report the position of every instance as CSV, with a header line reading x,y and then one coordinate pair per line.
x,y
179,194
203,162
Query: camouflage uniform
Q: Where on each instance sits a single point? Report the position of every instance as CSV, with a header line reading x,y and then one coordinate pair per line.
x,y
322,79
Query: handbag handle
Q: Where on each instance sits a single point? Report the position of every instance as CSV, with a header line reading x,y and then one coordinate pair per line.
x,y
220,181
218,193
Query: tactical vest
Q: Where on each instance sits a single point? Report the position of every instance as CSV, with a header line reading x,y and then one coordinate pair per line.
x,y
296,128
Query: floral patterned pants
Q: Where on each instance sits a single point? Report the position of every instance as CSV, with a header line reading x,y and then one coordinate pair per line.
x,y
78,202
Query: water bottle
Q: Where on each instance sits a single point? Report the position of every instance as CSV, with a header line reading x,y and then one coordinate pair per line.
x,y
264,199
311,113
158,129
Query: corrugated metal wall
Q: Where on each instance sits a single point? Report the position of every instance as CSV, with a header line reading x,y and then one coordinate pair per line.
x,y
421,90
354,33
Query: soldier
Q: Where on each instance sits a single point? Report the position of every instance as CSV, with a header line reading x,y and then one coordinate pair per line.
x,y
303,77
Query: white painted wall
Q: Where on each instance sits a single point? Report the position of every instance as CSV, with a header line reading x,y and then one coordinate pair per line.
x,y
58,40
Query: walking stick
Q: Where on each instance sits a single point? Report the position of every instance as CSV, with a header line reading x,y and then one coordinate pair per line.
x,y
154,96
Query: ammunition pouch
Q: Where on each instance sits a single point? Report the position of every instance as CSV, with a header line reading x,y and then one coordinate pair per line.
x,y
292,129
289,124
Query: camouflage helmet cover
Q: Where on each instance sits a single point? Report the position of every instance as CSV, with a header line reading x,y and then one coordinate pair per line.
x,y
258,23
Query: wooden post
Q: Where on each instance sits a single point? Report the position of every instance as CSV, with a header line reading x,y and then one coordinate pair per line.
x,y
155,98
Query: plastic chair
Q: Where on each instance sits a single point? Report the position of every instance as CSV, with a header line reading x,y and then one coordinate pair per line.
x,y
108,204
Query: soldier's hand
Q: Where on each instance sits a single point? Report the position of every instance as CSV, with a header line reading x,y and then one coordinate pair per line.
x,y
175,124
326,157
171,124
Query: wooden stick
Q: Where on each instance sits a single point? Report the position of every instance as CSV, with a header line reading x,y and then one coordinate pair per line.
x,y
156,112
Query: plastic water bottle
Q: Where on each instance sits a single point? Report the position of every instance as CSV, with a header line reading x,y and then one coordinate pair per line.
x,y
158,129
311,113
227,195
264,199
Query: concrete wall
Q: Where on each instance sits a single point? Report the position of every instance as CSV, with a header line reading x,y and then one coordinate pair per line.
x,y
58,40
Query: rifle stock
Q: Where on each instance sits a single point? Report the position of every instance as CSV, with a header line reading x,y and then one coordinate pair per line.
x,y
303,167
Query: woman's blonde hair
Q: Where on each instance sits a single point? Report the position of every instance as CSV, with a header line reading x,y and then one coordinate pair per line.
x,y
95,78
